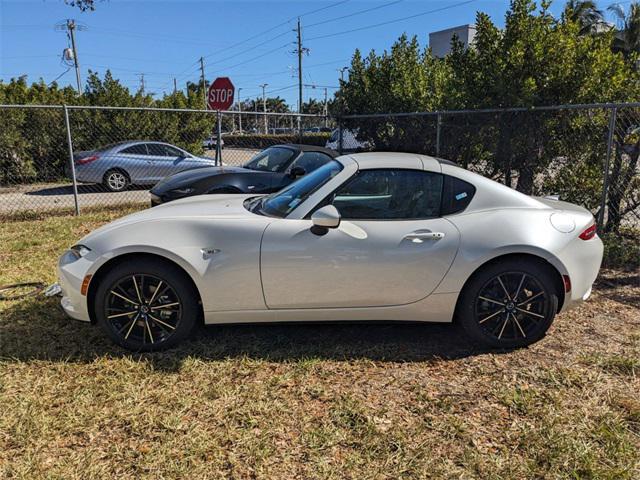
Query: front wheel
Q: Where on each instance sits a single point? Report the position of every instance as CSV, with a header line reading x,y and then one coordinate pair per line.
x,y
145,305
508,305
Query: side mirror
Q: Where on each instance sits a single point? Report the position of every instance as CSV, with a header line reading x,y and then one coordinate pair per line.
x,y
325,218
296,172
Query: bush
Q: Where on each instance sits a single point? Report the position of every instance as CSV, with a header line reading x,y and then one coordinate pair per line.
x,y
260,141
622,249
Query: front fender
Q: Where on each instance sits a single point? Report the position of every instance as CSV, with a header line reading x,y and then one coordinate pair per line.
x,y
221,256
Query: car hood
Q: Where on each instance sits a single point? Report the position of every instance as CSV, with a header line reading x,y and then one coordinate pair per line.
x,y
190,176
207,206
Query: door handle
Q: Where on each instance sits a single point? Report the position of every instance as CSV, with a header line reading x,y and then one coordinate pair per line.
x,y
419,237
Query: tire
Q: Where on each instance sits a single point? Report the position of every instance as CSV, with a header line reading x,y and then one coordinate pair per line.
x,y
497,310
116,180
160,315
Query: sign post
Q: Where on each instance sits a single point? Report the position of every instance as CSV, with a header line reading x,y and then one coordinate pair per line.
x,y
220,97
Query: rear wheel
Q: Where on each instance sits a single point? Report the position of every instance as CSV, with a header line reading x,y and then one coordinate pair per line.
x,y
145,305
116,180
508,304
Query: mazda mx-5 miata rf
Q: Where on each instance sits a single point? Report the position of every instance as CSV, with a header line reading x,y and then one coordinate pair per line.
x,y
370,236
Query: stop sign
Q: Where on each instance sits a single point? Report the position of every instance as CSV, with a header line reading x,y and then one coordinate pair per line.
x,y
220,94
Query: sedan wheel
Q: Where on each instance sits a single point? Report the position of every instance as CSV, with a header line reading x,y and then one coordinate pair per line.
x,y
146,306
116,181
509,307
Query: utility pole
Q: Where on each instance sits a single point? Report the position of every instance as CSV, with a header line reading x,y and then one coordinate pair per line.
x,y
299,68
239,111
175,86
342,70
71,28
325,106
264,107
204,82
142,83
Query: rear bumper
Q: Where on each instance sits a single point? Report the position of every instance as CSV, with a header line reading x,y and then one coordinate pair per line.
x,y
582,258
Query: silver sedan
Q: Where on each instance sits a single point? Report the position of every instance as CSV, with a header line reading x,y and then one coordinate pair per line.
x,y
370,236
121,164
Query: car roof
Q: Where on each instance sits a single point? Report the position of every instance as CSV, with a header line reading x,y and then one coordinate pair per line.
x,y
309,148
369,160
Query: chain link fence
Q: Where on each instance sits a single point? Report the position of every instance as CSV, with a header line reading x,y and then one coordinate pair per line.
x,y
57,158
585,154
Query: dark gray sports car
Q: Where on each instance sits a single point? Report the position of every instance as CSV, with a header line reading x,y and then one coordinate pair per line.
x,y
269,171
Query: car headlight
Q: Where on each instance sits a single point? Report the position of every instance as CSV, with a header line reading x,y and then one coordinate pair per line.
x,y
183,191
74,253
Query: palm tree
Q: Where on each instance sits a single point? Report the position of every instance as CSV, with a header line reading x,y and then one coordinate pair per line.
x,y
586,14
627,38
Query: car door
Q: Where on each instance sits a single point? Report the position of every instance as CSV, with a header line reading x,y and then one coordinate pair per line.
x,y
135,160
164,160
391,247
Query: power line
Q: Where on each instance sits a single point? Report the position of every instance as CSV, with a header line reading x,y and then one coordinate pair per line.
x,y
401,19
269,40
162,37
359,12
242,42
254,58
59,77
28,56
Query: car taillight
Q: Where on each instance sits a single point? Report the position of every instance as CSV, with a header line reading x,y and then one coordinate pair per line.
x,y
85,160
589,233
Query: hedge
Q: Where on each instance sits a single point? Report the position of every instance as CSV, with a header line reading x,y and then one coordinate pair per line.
x,y
259,141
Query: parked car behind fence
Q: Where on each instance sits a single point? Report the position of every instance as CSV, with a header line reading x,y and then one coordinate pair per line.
x,y
118,165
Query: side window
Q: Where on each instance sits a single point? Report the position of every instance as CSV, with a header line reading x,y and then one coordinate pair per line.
x,y
172,151
390,195
456,195
138,149
311,160
161,150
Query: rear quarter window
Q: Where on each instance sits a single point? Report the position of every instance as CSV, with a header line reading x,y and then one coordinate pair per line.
x,y
456,195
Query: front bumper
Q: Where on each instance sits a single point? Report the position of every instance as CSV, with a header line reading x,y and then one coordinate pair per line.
x,y
155,199
70,277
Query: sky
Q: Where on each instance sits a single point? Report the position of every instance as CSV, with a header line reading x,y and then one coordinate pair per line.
x,y
251,42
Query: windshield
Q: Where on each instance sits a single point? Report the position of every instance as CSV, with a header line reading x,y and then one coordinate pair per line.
x,y
281,203
273,159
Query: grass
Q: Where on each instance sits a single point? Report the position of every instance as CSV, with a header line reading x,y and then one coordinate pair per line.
x,y
310,401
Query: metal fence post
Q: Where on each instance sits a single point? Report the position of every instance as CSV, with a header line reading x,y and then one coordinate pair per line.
x,y
438,125
71,162
218,138
340,134
605,182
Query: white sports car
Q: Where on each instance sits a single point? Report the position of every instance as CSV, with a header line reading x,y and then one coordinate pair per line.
x,y
370,236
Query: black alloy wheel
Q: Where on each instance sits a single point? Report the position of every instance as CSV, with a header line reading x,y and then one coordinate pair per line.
x,y
509,307
146,306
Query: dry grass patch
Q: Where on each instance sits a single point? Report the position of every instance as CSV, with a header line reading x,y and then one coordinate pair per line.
x,y
311,401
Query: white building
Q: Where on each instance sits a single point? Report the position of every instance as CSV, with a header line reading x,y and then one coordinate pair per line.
x,y
440,42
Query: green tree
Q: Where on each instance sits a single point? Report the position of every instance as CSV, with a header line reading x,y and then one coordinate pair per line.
x,y
535,60
586,14
627,39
